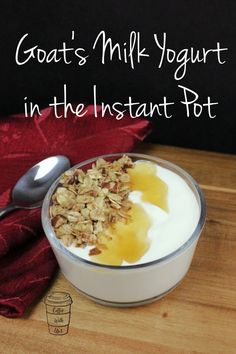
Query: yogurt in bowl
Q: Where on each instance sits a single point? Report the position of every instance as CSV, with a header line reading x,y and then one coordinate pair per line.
x,y
139,233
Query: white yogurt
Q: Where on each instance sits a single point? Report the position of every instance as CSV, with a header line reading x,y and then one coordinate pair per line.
x,y
168,231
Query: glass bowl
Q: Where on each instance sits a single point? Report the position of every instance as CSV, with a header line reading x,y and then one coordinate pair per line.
x,y
128,285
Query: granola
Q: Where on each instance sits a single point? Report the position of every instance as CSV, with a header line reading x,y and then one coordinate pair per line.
x,y
85,204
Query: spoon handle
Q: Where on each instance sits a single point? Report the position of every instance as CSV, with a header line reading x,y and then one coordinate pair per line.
x,y
7,209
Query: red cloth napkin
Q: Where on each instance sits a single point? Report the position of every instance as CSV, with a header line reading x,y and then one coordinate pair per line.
x,y
27,263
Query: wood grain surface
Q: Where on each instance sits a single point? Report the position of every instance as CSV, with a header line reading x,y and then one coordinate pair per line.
x,y
199,316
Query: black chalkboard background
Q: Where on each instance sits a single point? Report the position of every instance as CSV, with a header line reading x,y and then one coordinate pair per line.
x,y
187,23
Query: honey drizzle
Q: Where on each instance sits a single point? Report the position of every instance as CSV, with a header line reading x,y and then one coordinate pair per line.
x,y
144,179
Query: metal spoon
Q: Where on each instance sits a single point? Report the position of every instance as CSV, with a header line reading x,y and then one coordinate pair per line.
x,y
32,187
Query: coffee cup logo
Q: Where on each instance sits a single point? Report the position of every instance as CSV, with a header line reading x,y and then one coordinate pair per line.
x,y
58,310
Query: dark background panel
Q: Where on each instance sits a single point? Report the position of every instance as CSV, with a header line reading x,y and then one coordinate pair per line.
x,y
187,23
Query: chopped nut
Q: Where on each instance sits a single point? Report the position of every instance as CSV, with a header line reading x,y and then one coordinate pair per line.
x,y
94,251
58,220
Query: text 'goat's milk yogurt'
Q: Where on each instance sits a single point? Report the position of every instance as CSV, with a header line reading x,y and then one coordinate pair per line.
x,y
124,232
166,223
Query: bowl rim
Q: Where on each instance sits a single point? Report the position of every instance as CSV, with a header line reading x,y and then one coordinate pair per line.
x,y
54,241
